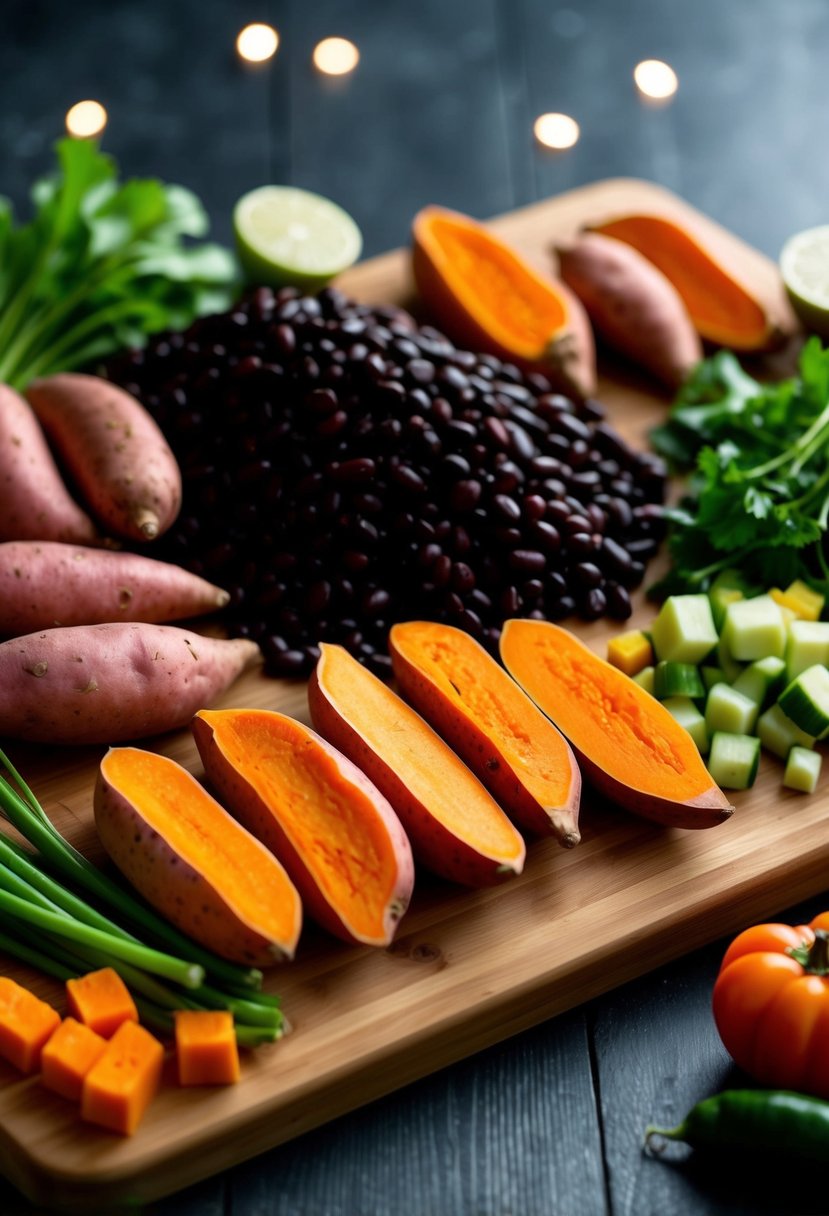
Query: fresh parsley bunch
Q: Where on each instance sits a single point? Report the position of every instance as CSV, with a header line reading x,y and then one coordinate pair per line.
x,y
101,264
758,495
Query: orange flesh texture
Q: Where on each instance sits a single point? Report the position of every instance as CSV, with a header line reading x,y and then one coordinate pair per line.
x,y
26,1025
68,1056
101,1000
430,770
473,682
502,293
330,822
198,830
206,1049
603,713
720,308
121,1084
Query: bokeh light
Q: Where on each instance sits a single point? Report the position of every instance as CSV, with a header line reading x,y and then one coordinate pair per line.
x,y
85,119
336,56
257,43
655,79
556,130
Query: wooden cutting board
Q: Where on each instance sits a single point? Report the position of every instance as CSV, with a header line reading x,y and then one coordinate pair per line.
x,y
468,968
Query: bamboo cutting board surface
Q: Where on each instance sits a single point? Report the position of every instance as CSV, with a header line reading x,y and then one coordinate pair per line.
x,y
468,968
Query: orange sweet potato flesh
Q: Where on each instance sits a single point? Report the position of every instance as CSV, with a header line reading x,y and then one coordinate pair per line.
x,y
722,309
123,1080
206,1048
101,1001
26,1024
68,1056
455,826
334,832
487,297
522,759
627,743
192,861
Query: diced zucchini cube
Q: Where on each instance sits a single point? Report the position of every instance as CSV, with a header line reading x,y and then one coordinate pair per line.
x,y
800,599
726,661
754,629
761,680
712,676
683,631
630,651
778,734
677,680
808,643
720,598
733,760
688,716
730,711
644,679
806,700
802,770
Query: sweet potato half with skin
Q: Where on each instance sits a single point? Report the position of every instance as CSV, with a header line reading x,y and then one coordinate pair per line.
x,y
627,743
192,861
334,832
632,305
120,461
108,683
34,501
45,583
514,750
487,297
455,827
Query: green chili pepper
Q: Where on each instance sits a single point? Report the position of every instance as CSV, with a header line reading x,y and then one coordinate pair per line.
x,y
765,1120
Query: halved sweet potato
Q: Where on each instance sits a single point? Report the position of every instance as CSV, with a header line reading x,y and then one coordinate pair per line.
x,y
627,743
455,827
334,832
522,759
192,861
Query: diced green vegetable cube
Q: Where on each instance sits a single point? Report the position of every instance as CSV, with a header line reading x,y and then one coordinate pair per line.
x,y
720,598
761,680
779,734
645,679
677,680
712,676
733,760
802,770
728,710
688,716
806,700
754,629
729,665
683,631
808,643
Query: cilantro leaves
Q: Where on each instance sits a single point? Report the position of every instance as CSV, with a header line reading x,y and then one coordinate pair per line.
x,y
758,493
100,265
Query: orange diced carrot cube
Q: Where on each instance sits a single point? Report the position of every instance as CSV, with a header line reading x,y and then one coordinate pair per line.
x,y
206,1047
101,1000
68,1057
26,1023
124,1080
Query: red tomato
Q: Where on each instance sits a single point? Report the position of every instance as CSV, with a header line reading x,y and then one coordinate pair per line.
x,y
771,1005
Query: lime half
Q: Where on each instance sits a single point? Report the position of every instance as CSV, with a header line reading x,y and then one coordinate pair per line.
x,y
287,235
804,265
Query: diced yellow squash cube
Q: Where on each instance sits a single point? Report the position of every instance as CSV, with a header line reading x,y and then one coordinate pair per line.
x,y
800,599
630,652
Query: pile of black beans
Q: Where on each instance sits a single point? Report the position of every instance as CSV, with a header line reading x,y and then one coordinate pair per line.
x,y
345,468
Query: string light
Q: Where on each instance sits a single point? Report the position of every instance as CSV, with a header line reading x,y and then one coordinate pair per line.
x,y
557,131
85,119
257,43
336,56
655,79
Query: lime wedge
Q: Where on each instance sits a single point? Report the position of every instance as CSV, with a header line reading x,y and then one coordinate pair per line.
x,y
804,265
287,235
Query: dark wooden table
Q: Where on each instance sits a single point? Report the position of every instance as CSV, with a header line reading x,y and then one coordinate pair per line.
x,y
440,109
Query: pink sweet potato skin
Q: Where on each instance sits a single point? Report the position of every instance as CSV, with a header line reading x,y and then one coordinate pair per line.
x,y
175,888
45,584
433,845
262,820
632,305
112,682
120,461
34,502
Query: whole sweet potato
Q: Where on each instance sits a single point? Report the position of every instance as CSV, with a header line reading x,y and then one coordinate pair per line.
x,y
120,461
633,306
108,683
44,584
34,502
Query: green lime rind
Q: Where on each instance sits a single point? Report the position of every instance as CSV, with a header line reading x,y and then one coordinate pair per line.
x,y
804,266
